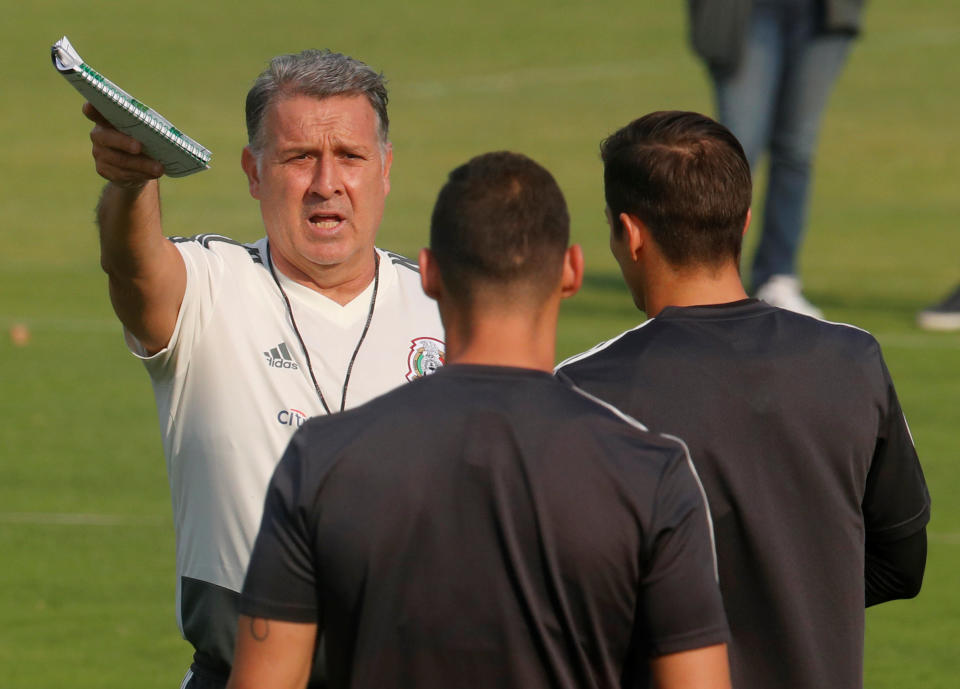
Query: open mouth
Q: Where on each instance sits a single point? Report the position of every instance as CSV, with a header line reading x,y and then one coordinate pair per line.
x,y
325,221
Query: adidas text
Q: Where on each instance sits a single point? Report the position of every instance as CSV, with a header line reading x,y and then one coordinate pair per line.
x,y
279,357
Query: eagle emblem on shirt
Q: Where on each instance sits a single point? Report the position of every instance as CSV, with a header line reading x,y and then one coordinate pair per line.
x,y
425,357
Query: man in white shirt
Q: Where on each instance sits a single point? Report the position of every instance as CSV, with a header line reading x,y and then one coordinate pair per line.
x,y
244,342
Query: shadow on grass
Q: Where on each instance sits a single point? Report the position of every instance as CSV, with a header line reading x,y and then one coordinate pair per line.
x,y
605,282
899,309
603,295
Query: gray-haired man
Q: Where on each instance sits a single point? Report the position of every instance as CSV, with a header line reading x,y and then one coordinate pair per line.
x,y
244,341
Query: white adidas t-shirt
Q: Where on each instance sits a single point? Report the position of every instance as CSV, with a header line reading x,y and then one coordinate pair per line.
x,y
232,385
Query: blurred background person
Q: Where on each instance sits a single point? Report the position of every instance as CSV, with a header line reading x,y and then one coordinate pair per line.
x,y
773,64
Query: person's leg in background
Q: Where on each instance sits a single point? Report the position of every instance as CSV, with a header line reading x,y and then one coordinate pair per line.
x,y
774,102
746,97
811,64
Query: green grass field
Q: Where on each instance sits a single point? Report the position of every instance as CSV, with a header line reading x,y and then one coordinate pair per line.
x,y
87,575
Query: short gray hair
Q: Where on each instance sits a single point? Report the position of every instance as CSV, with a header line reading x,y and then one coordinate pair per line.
x,y
317,73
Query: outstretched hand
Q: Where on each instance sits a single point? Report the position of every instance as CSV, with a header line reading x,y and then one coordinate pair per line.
x,y
119,158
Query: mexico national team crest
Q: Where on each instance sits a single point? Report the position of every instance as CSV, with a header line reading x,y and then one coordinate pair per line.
x,y
426,356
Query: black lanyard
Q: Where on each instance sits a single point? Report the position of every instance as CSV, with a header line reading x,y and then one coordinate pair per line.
x,y
303,345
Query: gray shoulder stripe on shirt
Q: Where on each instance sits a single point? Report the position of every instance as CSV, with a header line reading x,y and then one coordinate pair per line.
x,y
206,239
598,347
686,452
703,494
606,405
398,260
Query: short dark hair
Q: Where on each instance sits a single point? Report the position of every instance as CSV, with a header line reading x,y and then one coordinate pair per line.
x,y
499,221
317,73
685,176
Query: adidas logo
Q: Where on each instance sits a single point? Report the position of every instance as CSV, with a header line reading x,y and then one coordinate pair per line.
x,y
279,357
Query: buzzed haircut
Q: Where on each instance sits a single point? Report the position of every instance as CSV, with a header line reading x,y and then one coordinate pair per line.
x,y
500,220
685,176
316,73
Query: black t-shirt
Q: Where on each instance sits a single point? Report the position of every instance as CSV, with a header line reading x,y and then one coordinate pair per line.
x,y
795,429
488,527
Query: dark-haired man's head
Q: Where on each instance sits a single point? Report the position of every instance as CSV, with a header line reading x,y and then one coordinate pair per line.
x,y
686,178
499,231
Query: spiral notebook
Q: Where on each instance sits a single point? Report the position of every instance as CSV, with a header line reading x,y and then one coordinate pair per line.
x,y
179,154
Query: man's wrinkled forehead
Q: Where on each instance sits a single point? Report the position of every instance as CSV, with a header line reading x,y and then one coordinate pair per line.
x,y
266,129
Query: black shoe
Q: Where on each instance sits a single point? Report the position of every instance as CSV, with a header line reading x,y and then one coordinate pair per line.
x,y
943,316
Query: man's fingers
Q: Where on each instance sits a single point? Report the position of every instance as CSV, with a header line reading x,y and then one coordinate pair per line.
x,y
118,157
105,134
123,177
108,137
92,114
123,168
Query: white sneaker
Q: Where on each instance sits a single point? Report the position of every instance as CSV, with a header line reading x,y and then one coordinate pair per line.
x,y
784,291
942,316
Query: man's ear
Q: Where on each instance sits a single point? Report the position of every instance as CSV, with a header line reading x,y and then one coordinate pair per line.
x,y
572,271
387,164
248,161
636,234
747,223
430,274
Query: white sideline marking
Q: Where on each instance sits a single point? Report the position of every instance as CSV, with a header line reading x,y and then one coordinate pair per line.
x,y
534,76
63,324
927,36
918,340
512,80
944,538
901,340
80,519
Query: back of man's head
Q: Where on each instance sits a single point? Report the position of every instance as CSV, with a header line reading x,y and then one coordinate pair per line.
x,y
685,176
316,73
500,228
